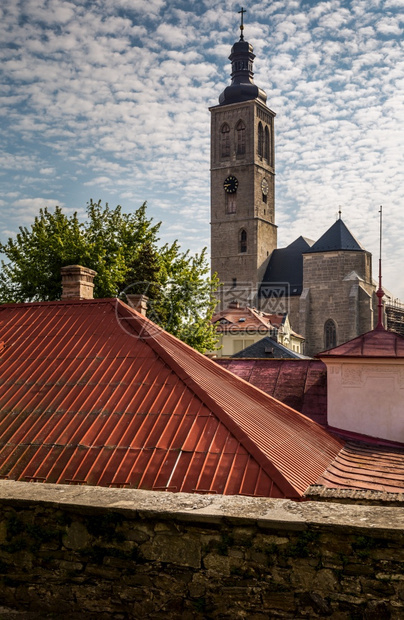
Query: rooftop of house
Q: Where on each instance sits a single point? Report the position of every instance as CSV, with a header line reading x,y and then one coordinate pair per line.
x,y
267,347
92,392
377,343
365,469
299,383
235,318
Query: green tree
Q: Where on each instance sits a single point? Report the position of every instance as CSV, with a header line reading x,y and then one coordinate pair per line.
x,y
123,249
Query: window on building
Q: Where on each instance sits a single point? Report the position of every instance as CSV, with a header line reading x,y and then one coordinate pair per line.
x,y
225,141
231,203
330,334
266,143
240,138
260,139
243,241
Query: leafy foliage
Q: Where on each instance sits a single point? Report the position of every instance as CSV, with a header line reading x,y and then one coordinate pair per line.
x,y
123,249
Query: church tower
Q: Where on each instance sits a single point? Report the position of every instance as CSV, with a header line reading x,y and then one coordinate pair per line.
x,y
243,231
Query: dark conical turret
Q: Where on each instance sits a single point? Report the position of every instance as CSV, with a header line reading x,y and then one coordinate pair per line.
x,y
242,86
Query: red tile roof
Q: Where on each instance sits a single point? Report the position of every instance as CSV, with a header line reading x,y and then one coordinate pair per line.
x,y
241,319
300,384
93,392
377,343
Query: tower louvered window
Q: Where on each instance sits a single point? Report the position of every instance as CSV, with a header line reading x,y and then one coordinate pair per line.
x,y
266,144
240,138
260,140
225,141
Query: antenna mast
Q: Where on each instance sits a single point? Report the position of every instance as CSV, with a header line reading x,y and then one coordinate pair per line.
x,y
380,292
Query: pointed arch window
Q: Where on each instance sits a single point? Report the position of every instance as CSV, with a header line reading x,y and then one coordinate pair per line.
x,y
330,334
266,143
243,241
225,141
260,139
240,139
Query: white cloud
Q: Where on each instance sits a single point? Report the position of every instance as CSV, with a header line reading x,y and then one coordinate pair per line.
x,y
114,97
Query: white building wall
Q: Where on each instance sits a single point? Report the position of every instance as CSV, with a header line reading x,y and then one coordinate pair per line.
x,y
367,396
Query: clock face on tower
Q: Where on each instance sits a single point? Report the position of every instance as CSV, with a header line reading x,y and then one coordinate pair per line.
x,y
264,187
230,184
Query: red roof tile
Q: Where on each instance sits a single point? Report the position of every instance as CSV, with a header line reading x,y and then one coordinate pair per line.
x,y
92,392
301,384
377,343
241,319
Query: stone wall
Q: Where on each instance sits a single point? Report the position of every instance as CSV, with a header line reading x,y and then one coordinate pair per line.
x,y
87,552
338,286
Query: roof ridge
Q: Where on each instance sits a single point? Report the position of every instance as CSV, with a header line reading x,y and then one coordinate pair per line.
x,y
262,459
169,348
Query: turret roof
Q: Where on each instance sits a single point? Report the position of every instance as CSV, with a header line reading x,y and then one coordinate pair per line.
x,y
337,237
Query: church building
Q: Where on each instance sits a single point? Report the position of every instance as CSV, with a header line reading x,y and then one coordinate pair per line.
x,y
326,286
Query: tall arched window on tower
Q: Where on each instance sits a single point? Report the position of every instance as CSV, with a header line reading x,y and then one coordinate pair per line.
x,y
330,334
260,139
240,139
266,143
225,141
243,240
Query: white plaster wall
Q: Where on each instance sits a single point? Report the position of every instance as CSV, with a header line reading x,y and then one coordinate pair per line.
x,y
367,396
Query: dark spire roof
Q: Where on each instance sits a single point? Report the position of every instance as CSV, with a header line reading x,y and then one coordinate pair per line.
x,y
242,86
268,348
286,266
338,237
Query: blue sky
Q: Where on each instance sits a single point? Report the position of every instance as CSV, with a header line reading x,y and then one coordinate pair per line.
x,y
110,100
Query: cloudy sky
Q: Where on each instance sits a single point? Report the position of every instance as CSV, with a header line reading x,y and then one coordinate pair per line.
x,y
109,99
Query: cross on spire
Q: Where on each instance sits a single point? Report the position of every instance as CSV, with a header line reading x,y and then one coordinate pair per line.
x,y
242,11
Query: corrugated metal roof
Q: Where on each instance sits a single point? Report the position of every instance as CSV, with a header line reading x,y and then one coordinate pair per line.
x,y
300,384
377,343
366,466
92,392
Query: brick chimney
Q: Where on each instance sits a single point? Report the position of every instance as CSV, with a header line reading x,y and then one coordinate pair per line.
x,y
77,282
138,302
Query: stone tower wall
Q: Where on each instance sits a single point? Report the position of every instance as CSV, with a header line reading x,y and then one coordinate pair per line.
x,y
331,290
252,213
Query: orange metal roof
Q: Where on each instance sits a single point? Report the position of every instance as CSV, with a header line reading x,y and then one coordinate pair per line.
x,y
93,392
299,383
366,466
377,343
